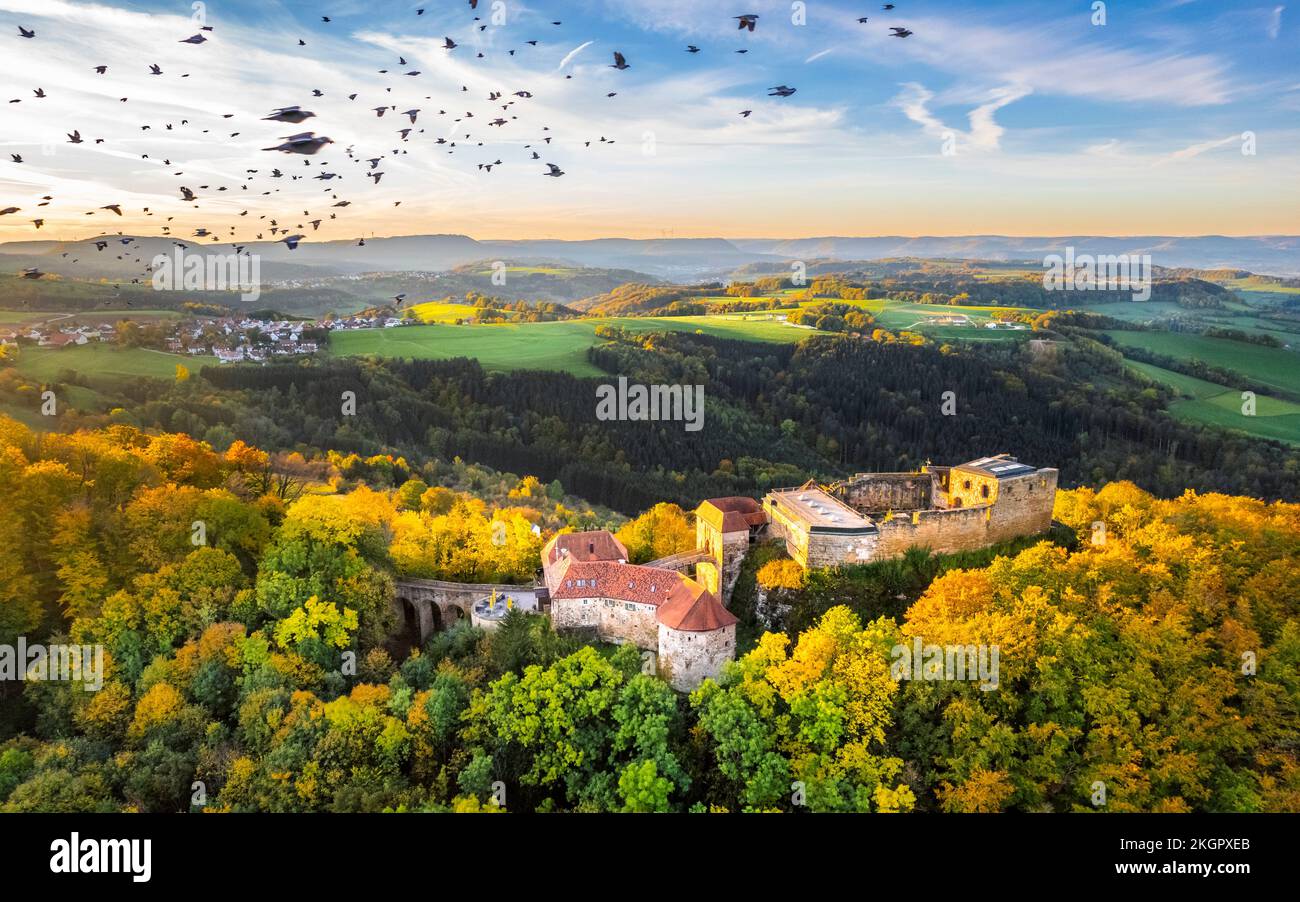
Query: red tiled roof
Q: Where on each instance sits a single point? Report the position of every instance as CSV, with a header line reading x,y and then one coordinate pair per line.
x,y
610,579
597,545
683,603
731,514
694,611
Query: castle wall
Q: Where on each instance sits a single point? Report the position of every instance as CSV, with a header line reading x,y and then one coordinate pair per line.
x,y
1023,507
613,620
819,549
727,549
687,659
875,493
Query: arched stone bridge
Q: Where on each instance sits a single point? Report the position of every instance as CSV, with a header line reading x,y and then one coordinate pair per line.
x,y
426,606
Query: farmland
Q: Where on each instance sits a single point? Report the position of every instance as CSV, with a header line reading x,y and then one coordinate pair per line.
x,y
558,346
1214,404
1274,368
104,360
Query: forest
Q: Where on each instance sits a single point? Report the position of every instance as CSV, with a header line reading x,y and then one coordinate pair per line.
x,y
248,665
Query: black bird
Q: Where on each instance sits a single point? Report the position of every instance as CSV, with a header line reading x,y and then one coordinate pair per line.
x,y
74,137
691,48
304,143
7,210
193,39
154,69
619,61
116,208
292,241
746,113
888,6
448,44
555,172
292,114
17,157
781,91
186,194
747,21
23,32
101,69
33,273
899,32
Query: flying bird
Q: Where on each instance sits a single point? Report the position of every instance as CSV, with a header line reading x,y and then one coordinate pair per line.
x,y
292,241
899,32
116,208
747,21
781,91
304,143
25,33
619,62
193,39
292,114
555,172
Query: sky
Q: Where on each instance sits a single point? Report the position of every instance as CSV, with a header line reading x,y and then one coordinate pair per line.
x,y
1032,117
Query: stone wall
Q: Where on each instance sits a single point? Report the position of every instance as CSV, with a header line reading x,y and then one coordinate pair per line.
x,y
1023,507
820,549
875,493
727,549
613,620
687,659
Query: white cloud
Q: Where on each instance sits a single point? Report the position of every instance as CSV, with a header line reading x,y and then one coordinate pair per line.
x,y
984,132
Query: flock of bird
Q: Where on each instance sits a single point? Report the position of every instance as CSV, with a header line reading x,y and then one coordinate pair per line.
x,y
307,145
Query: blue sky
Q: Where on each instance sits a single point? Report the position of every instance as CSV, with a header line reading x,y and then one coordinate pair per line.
x,y
994,117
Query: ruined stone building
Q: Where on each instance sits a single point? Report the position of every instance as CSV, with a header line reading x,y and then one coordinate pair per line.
x,y
876,516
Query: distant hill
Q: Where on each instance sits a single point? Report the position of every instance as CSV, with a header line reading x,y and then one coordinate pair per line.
x,y
674,259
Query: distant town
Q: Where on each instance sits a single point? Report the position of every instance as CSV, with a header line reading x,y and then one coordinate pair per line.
x,y
229,339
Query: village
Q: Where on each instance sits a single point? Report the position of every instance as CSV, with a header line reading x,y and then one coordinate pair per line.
x,y
228,339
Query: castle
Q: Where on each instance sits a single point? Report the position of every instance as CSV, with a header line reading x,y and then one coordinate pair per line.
x,y
592,587
869,517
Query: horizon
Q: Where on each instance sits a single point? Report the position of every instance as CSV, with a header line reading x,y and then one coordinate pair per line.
x,y
701,237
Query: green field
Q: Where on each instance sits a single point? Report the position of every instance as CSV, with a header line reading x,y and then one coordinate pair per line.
x,y
1213,404
558,346
103,360
440,312
1274,368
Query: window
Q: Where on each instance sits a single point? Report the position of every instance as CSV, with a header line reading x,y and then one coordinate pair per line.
x,y
629,606
966,484
984,490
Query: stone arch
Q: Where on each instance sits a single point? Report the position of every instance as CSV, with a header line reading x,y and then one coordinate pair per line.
x,y
448,615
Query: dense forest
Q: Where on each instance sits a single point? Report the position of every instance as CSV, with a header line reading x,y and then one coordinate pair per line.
x,y
246,665
774,416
